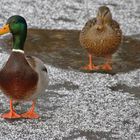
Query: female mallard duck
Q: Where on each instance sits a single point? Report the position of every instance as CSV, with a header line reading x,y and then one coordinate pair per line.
x,y
101,36
22,78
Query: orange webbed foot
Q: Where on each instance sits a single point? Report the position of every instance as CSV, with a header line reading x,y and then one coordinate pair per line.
x,y
11,115
30,115
106,67
90,67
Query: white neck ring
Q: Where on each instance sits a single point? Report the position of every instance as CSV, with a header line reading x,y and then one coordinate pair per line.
x,y
17,50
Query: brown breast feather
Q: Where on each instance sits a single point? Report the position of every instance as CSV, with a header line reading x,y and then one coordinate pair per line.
x,y
17,79
101,45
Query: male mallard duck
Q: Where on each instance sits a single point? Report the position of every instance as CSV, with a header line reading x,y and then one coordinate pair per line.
x,y
21,78
101,36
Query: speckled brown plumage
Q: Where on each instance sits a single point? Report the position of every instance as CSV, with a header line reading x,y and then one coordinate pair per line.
x,y
101,43
101,36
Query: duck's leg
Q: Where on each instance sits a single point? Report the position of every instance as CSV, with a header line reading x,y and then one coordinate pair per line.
x,y
107,66
11,114
31,114
90,66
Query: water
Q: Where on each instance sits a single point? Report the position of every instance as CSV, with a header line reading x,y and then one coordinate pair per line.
x,y
61,48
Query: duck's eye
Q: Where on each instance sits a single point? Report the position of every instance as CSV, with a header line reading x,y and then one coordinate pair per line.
x,y
13,21
105,13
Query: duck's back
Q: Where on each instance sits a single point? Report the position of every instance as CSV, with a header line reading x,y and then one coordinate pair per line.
x,y
101,43
17,79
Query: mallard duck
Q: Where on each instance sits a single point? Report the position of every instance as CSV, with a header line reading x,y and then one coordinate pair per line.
x,y
101,36
22,78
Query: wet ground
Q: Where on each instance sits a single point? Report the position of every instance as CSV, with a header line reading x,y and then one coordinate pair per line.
x,y
79,105
61,48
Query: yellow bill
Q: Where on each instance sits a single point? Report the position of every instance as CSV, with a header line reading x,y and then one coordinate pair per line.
x,y
5,29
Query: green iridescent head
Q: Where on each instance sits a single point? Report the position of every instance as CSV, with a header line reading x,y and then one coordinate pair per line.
x,y
18,27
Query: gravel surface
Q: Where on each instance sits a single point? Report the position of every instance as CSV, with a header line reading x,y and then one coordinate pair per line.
x,y
71,14
76,104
